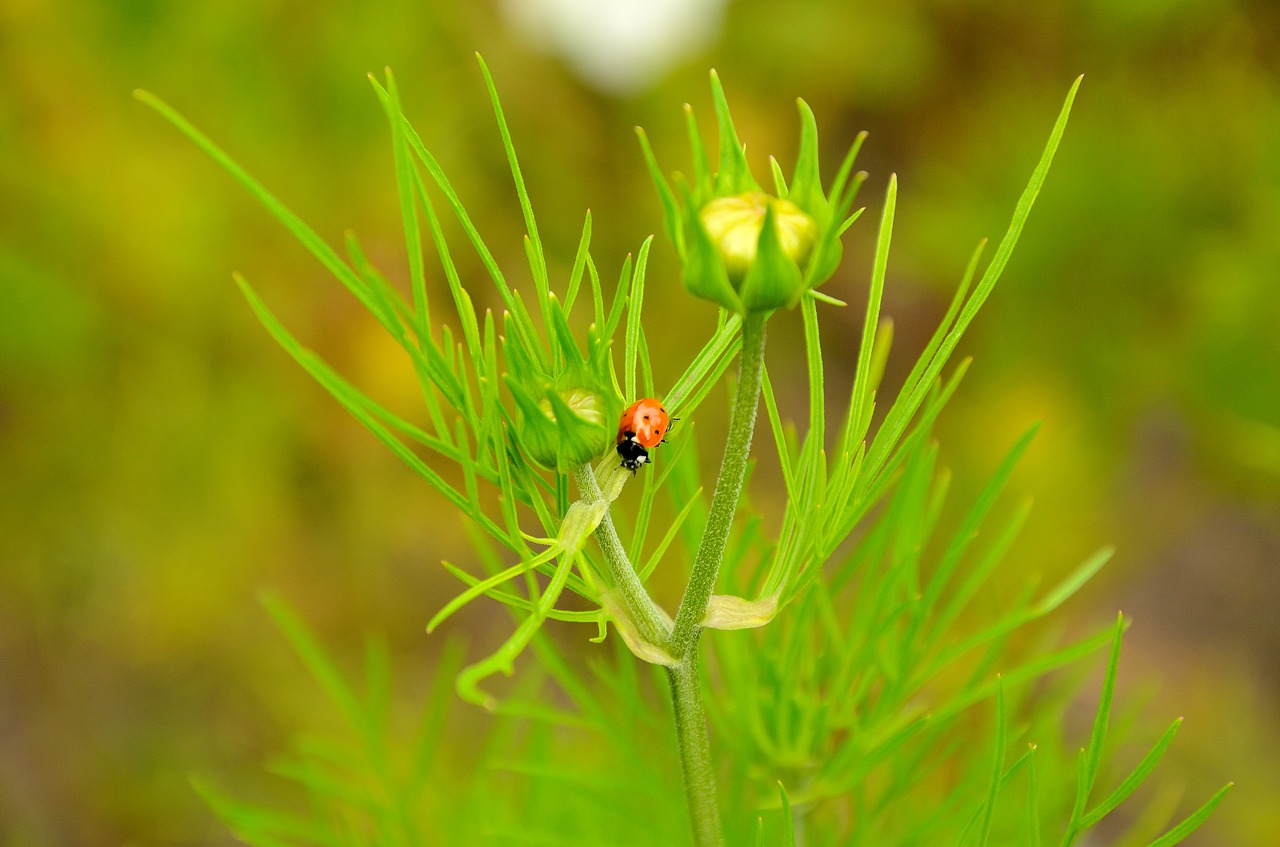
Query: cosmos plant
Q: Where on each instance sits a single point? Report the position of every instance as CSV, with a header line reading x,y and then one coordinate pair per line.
x,y
843,683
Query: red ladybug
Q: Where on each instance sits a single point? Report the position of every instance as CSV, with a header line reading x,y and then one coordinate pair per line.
x,y
641,428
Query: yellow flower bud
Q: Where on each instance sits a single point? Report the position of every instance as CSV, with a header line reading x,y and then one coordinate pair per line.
x,y
734,224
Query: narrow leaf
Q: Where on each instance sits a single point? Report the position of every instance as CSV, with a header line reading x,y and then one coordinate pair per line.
x,y
1193,821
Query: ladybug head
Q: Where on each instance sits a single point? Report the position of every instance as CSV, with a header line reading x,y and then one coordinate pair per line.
x,y
633,454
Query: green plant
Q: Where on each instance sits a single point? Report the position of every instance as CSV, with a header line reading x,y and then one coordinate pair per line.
x,y
846,704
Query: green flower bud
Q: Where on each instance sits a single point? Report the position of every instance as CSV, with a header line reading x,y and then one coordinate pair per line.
x,y
744,248
735,224
756,243
581,402
568,413
569,427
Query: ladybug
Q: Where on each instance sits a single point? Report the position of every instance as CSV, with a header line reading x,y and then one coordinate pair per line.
x,y
640,429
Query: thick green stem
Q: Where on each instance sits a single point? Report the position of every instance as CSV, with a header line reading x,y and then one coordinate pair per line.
x,y
695,753
651,623
686,696
724,503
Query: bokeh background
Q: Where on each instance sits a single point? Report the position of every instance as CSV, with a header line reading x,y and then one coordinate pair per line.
x,y
161,461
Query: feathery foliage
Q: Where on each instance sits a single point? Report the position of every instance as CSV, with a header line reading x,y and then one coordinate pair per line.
x,y
852,707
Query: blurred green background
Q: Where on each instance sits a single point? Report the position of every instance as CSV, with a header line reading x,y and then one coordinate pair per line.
x,y
161,461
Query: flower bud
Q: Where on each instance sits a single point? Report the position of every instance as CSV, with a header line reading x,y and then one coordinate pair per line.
x,y
743,248
568,416
755,243
735,223
567,429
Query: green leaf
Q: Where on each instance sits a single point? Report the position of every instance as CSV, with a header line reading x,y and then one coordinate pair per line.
x,y
788,824
262,827
318,663
774,280
503,659
1103,715
1193,821
525,605
1135,778
670,209
538,262
711,360
838,198
779,438
620,296
895,425
673,529
408,209
1033,799
359,407
704,272
1074,581
734,175
967,532
313,242
698,151
862,372
779,180
579,264
806,183
393,313
484,586
635,306
988,809
817,395
524,331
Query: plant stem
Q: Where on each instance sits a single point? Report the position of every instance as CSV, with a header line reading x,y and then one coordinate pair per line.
x,y
682,641
695,752
639,605
724,503
686,695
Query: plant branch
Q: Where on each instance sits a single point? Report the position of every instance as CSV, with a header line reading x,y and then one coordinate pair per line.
x,y
652,624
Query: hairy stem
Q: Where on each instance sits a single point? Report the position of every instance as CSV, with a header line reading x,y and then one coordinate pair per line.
x,y
686,696
724,503
651,623
695,752
682,640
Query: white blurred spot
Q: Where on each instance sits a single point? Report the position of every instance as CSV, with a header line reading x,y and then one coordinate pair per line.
x,y
618,46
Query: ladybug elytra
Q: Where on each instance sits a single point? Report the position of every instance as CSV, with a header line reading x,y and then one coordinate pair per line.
x,y
640,429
